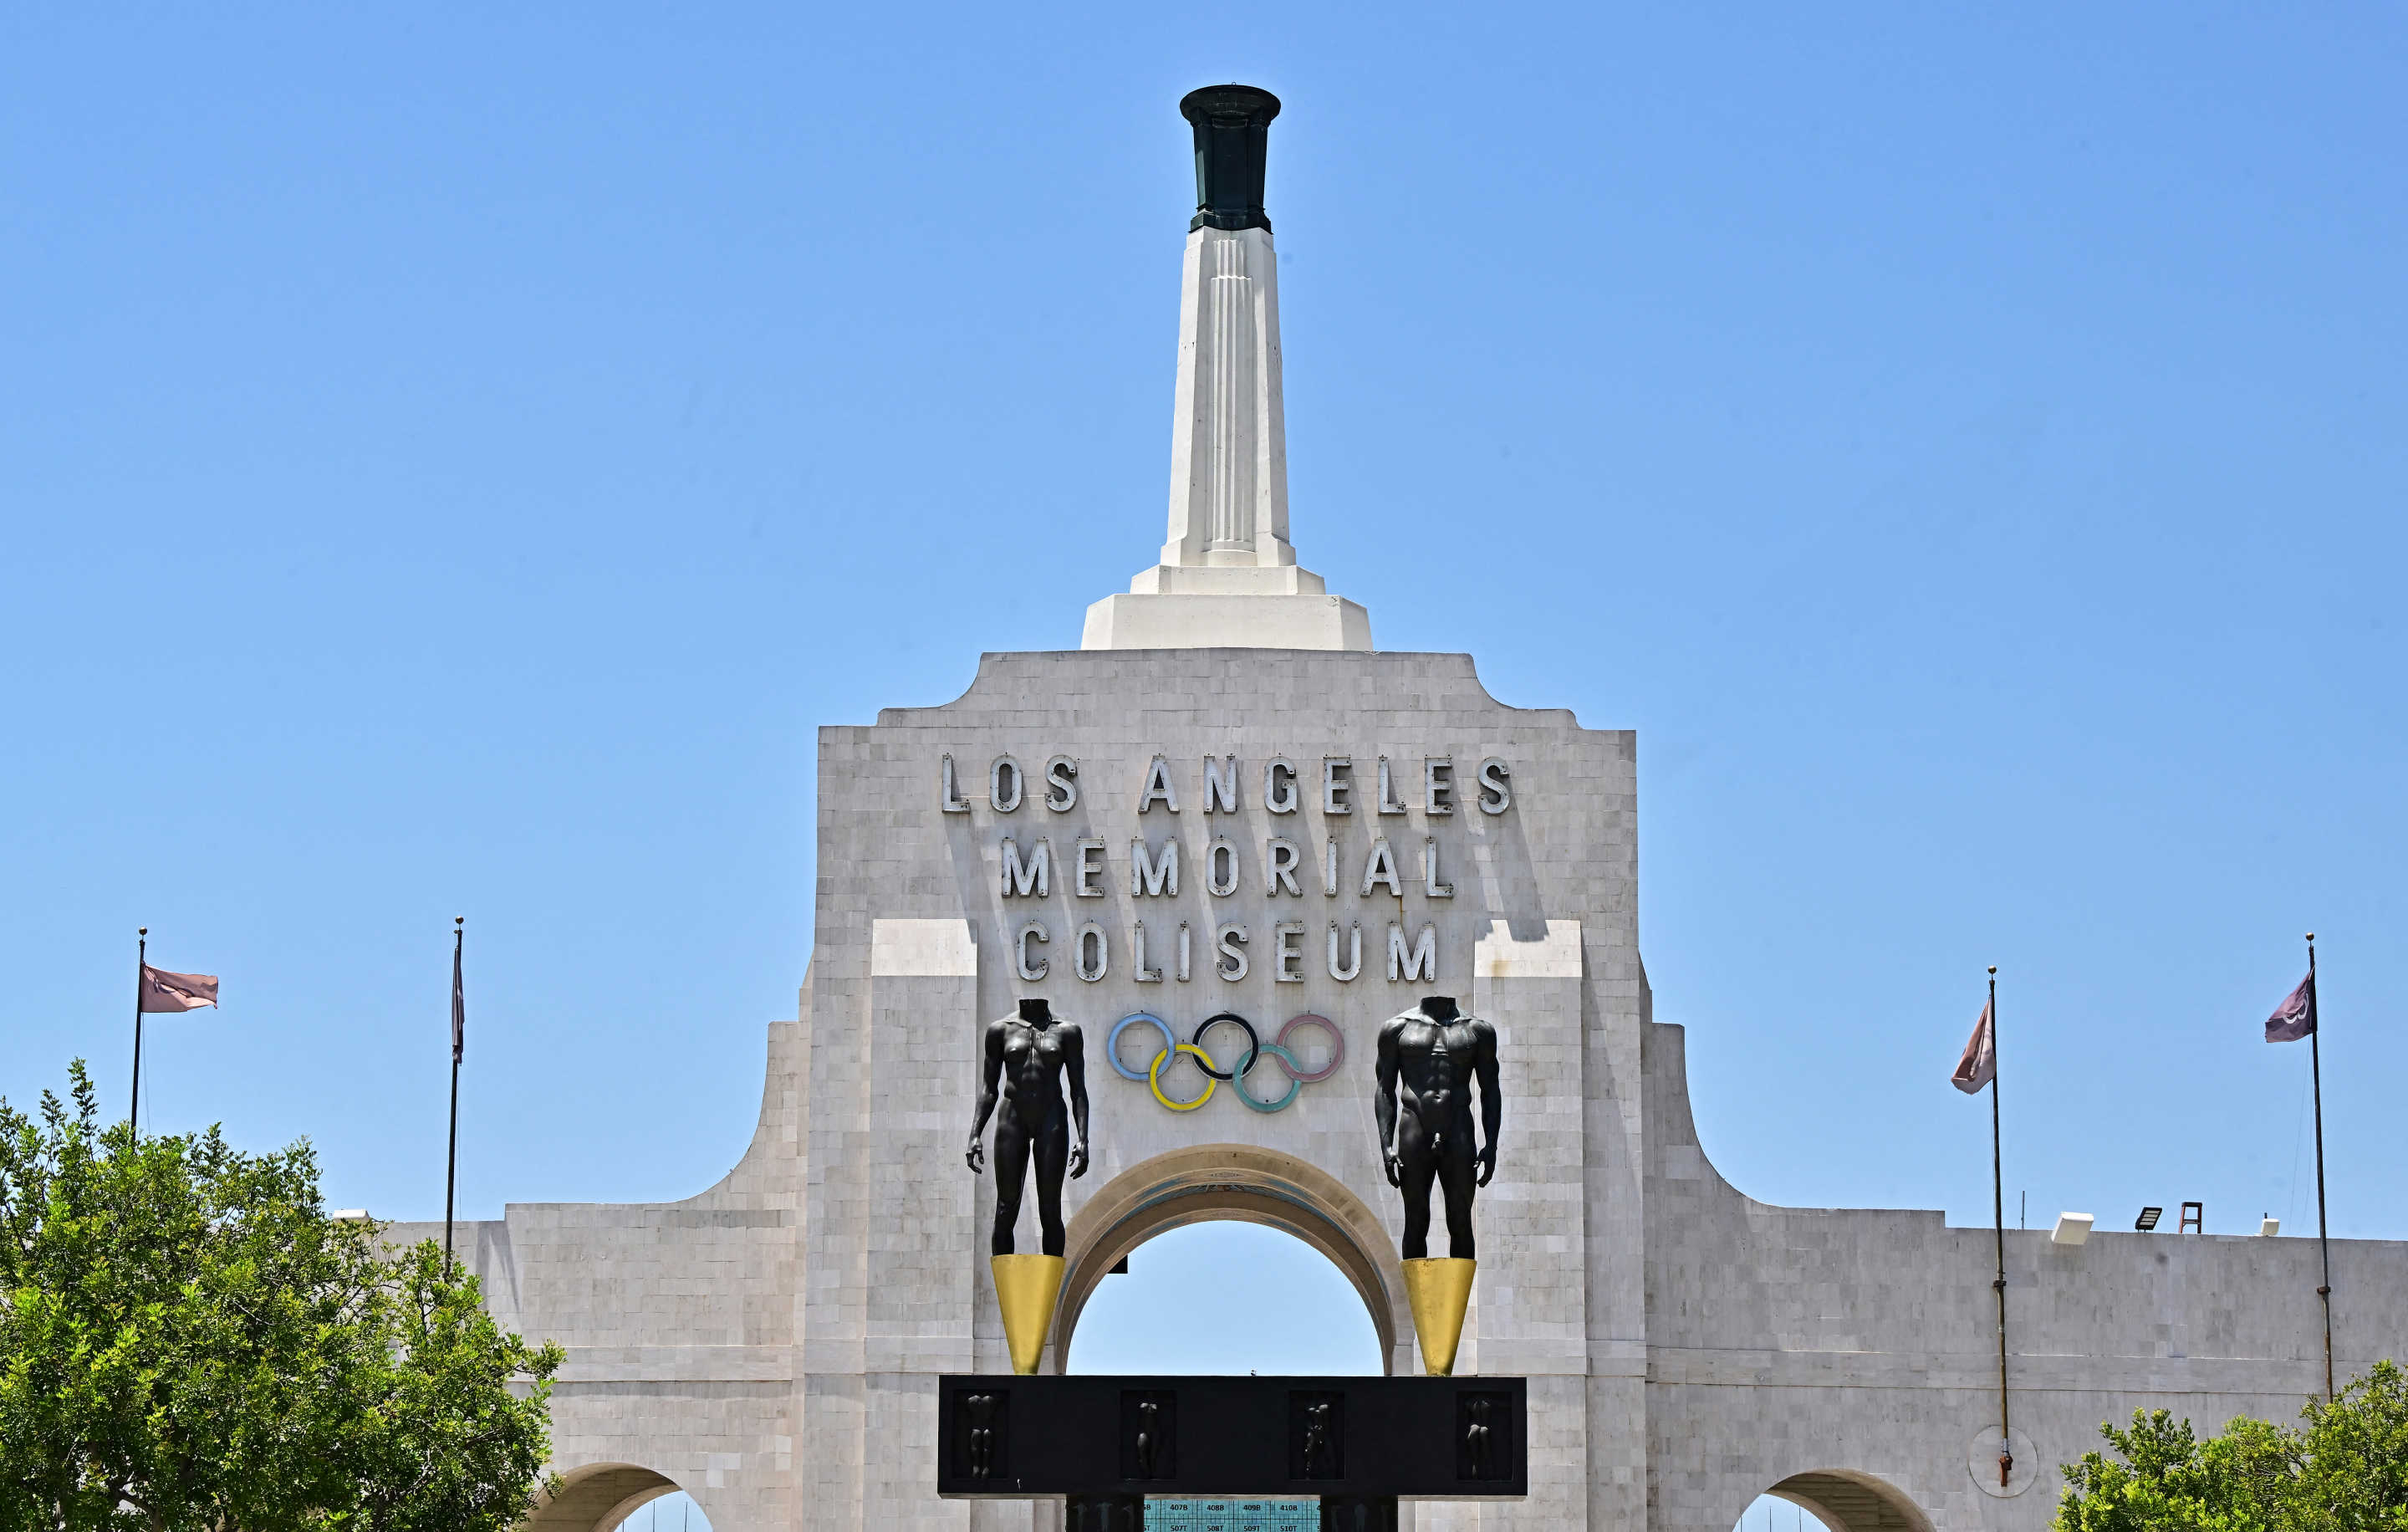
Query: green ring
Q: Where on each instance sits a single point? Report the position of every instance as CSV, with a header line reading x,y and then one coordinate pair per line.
x,y
1293,1084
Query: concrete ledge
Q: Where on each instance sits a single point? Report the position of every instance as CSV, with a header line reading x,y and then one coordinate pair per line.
x,y
1554,955
923,949
1979,1371
678,1364
916,1354
1532,1355
1227,622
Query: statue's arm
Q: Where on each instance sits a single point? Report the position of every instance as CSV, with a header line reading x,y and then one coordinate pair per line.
x,y
1383,1097
1074,1071
1492,1098
992,1072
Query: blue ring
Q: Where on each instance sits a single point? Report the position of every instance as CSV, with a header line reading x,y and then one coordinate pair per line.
x,y
1112,1043
1294,1083
1254,1043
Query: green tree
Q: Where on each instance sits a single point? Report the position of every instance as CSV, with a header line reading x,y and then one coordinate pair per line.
x,y
188,1343
2346,1470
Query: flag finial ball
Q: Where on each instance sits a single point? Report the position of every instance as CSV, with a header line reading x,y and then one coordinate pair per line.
x,y
1994,967
141,930
2311,935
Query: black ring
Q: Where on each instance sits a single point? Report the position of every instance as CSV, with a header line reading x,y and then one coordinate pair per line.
x,y
1254,1043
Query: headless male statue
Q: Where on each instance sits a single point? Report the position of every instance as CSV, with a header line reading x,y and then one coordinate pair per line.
x,y
1028,1055
1428,1059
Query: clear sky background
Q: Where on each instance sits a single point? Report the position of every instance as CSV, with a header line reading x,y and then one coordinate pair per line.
x,y
451,464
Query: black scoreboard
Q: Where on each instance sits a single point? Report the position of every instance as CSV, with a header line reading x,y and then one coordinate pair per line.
x,y
1351,1438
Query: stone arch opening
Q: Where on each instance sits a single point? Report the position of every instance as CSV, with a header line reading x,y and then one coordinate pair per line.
x,y
1227,1297
598,1497
1250,1184
1846,1500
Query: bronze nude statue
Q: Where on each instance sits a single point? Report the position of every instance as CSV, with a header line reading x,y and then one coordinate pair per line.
x,y
1430,1057
1030,1055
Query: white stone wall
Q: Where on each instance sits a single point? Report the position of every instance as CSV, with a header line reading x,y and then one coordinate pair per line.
x,y
772,1344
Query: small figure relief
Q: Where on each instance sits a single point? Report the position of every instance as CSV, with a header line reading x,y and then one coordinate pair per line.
x,y
1316,1436
1149,1434
1030,1056
1484,1436
1149,1445
1429,1058
1475,1442
1319,1455
977,1434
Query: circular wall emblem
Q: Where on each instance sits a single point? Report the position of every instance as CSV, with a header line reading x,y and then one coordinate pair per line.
x,y
1981,1462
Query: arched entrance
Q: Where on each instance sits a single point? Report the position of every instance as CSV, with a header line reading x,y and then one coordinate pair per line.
x,y
1225,1298
1248,1183
1848,1501
598,1497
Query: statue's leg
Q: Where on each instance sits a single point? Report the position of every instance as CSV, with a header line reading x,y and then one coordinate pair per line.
x,y
1010,1173
1419,1166
1053,1159
1457,1180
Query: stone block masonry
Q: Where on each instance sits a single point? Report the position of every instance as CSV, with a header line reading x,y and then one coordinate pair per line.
x,y
772,1344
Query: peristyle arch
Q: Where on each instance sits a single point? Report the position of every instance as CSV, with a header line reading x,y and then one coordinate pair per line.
x,y
1251,1184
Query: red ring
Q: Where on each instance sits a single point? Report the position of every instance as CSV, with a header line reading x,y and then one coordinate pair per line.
x,y
1337,1046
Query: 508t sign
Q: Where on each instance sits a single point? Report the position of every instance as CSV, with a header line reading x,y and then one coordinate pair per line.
x,y
1277,1052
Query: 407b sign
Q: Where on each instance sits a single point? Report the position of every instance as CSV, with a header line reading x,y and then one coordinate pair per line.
x,y
1226,1027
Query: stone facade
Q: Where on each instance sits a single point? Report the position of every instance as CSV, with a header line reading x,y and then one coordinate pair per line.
x,y
772,1344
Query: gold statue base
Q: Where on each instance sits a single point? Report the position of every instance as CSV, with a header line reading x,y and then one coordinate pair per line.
x,y
1026,1287
1439,1289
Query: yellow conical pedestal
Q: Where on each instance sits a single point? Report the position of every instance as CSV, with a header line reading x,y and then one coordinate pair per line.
x,y
1439,1290
1025,1286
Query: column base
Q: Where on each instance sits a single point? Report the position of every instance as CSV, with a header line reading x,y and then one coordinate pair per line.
x,y
1026,1287
1439,1289
1227,621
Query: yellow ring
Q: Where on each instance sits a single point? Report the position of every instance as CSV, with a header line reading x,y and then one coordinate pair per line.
x,y
1154,1077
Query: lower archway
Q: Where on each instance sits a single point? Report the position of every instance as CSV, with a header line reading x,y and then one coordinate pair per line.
x,y
1847,1501
598,1497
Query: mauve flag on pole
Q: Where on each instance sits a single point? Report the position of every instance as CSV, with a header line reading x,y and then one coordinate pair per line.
x,y
2296,1017
165,990
1980,1064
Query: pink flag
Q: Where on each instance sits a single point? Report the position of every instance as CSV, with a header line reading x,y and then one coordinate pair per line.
x,y
165,990
1980,1064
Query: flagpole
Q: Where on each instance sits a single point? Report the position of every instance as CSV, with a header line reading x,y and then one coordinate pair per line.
x,y
1999,1218
451,1155
2324,1242
141,961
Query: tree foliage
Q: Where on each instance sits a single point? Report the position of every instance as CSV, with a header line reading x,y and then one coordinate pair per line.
x,y
2344,1469
188,1343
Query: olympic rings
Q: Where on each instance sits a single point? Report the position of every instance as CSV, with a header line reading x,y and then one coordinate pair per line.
x,y
1154,1077
1112,1043
1279,1051
1336,1047
1254,1043
1288,1062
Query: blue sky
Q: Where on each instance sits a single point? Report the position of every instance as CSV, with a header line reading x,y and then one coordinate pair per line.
x,y
451,464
